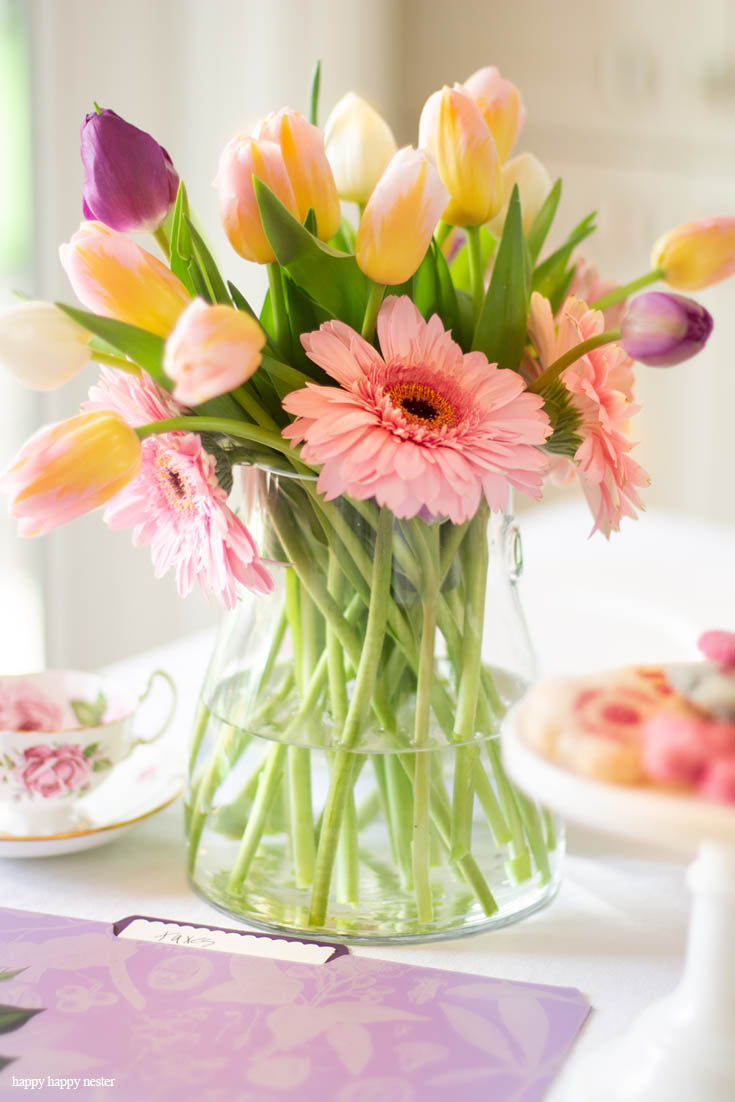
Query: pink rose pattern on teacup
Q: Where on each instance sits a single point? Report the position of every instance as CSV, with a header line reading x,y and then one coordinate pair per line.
x,y
56,771
23,707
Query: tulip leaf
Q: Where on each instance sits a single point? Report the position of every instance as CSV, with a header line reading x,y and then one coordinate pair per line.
x,y
501,328
13,1017
460,265
542,222
553,274
180,245
305,316
330,278
422,287
344,238
217,291
239,301
446,293
316,82
143,348
310,221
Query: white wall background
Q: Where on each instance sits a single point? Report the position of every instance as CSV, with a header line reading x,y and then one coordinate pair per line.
x,y
634,104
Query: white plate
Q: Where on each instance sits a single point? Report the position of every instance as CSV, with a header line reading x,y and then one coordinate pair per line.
x,y
643,813
149,780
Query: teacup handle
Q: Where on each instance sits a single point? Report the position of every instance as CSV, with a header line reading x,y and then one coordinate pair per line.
x,y
141,739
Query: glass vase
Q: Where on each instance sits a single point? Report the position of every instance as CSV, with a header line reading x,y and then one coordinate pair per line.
x,y
345,778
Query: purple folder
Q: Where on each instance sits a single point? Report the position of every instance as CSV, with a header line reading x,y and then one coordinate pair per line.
x,y
88,1008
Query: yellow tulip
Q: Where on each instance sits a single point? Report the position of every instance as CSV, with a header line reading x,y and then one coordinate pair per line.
x,y
359,145
534,184
697,254
113,276
70,468
501,106
454,132
302,149
400,217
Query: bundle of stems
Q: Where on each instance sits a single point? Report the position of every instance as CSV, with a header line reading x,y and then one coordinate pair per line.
x,y
368,605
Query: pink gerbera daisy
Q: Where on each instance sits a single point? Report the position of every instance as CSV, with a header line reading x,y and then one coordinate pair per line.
x,y
607,474
420,426
175,503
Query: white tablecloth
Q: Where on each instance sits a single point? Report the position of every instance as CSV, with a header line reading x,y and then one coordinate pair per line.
x,y
617,928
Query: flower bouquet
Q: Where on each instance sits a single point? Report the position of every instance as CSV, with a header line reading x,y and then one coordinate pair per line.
x,y
418,355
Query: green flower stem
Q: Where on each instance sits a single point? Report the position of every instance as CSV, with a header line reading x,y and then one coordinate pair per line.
x,y
200,725
369,808
477,275
114,361
475,556
375,298
442,232
301,814
367,670
224,426
401,816
292,606
519,865
335,661
554,370
282,331
268,785
549,829
348,878
427,544
254,409
205,793
619,293
491,807
162,241
450,546
535,835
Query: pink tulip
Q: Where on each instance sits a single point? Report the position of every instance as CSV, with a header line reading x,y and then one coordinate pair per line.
x,y
212,350
302,149
501,106
243,158
113,276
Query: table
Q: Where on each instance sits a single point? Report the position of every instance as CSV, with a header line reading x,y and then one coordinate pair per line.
x,y
617,927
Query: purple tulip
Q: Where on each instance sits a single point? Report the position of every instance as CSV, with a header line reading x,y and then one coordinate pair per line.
x,y
662,329
130,182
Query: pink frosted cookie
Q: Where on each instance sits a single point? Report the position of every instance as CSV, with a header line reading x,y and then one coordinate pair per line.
x,y
692,750
593,724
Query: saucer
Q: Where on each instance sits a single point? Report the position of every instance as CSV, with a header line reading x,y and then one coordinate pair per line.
x,y
148,781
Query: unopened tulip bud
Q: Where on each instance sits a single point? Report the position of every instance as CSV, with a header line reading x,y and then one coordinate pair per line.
x,y
130,182
212,350
241,160
302,149
697,254
661,329
400,217
534,184
359,144
70,468
114,277
41,345
454,132
501,106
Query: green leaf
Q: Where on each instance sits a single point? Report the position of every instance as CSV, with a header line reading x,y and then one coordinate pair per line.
x,y
330,278
179,240
90,714
305,316
100,764
460,266
13,1017
344,238
446,293
542,222
239,301
90,750
564,418
217,290
316,82
310,221
283,373
10,973
553,269
5,1060
501,327
143,348
422,287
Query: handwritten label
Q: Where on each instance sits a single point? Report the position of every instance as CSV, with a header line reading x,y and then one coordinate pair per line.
x,y
226,941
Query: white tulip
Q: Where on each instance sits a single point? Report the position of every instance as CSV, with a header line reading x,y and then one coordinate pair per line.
x,y
359,145
534,184
41,345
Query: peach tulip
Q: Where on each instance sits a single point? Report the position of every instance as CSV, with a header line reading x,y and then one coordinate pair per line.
x,y
70,468
212,350
400,217
241,160
453,130
359,145
302,149
501,106
113,276
697,254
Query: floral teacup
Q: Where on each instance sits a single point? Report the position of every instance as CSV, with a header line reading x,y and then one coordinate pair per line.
x,y
62,732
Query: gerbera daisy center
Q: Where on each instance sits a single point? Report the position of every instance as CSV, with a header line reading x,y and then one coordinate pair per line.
x,y
174,486
422,404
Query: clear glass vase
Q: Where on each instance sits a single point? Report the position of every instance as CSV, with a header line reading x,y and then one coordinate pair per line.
x,y
345,778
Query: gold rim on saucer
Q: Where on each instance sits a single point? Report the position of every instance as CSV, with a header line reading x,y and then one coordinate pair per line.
x,y
91,830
